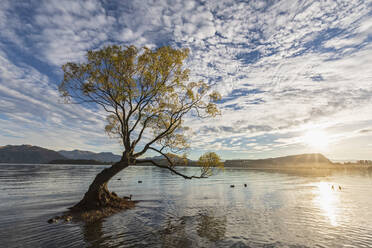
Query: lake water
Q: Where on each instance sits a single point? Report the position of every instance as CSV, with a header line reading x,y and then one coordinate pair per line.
x,y
276,209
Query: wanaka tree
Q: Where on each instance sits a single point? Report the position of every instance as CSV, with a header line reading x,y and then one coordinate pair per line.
x,y
147,95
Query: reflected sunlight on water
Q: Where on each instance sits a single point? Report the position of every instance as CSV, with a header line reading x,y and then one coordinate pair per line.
x,y
328,200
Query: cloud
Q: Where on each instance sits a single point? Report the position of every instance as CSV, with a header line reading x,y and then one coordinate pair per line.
x,y
365,131
32,112
69,28
281,66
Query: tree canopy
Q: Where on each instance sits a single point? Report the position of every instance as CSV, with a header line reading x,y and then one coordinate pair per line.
x,y
147,95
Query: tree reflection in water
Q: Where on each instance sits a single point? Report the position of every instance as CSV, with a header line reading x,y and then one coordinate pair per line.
x,y
94,235
174,234
211,227
181,233
186,231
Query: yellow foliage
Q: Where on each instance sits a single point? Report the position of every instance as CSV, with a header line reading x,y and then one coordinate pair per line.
x,y
208,162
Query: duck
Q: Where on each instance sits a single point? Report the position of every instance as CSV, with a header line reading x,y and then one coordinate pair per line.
x,y
54,220
245,185
232,186
139,181
128,198
67,218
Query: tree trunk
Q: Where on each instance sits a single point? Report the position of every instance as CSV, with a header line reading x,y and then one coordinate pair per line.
x,y
98,196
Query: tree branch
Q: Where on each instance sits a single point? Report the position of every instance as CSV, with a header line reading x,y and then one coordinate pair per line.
x,y
163,154
169,168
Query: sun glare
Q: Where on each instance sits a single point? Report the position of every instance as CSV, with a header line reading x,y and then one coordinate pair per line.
x,y
316,139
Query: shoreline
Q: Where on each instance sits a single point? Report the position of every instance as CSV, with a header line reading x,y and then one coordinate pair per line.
x,y
334,166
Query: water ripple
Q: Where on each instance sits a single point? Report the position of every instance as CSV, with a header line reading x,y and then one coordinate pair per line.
x,y
276,209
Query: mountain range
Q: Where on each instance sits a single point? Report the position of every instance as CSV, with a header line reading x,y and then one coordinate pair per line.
x,y
28,154
312,160
102,156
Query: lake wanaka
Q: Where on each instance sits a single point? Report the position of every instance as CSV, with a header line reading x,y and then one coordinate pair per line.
x,y
273,209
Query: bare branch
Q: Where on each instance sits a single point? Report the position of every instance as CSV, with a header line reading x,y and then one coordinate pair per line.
x,y
168,168
164,155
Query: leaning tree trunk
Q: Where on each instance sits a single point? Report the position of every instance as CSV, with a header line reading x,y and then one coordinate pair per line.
x,y
98,196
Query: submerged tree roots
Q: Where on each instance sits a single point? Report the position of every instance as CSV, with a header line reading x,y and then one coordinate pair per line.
x,y
91,211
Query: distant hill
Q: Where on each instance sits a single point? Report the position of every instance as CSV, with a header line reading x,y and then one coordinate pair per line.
x,y
160,157
77,161
27,154
102,156
163,161
302,160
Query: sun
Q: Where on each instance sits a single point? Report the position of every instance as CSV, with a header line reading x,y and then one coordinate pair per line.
x,y
316,139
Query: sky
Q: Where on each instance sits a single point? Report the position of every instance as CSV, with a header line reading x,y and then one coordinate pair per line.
x,y
295,76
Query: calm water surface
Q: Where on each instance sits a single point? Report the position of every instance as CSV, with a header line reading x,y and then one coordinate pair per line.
x,y
276,209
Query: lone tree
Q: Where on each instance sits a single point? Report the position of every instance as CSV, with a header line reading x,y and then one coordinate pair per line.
x,y
146,94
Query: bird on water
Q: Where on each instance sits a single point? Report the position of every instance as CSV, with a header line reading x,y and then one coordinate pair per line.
x,y
128,198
